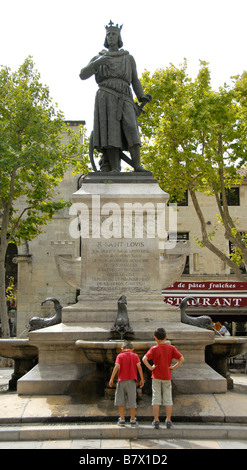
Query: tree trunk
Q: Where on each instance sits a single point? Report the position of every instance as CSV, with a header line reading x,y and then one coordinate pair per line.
x,y
231,232
209,244
3,303
4,240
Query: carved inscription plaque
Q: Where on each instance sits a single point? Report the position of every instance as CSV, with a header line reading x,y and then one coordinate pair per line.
x,y
121,265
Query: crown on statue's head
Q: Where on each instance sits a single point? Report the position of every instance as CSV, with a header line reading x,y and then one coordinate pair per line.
x,y
112,27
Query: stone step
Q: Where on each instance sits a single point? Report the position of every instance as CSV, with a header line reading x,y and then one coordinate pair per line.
x,y
25,432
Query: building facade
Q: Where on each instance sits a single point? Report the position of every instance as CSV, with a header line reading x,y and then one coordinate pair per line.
x,y
205,277
32,264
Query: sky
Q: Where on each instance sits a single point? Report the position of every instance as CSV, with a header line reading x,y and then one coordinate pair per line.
x,y
62,36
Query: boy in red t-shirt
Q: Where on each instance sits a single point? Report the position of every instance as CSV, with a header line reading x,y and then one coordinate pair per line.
x,y
162,355
126,365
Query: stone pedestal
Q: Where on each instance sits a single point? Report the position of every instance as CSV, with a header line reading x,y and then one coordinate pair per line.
x,y
134,261
123,252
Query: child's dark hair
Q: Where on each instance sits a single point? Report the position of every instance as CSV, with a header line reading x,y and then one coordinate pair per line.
x,y
127,345
160,333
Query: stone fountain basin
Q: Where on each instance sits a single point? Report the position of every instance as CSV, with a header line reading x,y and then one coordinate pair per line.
x,y
216,354
107,351
229,346
17,348
23,354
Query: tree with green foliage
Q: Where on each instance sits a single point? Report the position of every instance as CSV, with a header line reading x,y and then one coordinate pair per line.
x,y
33,161
194,138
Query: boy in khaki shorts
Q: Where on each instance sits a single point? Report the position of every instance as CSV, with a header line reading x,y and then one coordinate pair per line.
x,y
162,355
126,365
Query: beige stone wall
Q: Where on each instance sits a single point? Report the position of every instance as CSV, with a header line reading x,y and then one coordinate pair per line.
x,y
203,261
38,277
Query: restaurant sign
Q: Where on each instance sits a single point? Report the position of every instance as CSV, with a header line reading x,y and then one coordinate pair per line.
x,y
221,294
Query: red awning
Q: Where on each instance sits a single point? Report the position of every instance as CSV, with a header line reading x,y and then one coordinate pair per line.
x,y
213,297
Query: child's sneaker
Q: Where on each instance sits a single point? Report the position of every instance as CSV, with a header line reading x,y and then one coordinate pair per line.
x,y
121,422
133,422
156,424
168,424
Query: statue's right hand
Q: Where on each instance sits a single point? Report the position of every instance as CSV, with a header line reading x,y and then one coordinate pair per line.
x,y
102,60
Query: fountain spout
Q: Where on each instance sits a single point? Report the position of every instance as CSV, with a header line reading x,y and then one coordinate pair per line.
x,y
203,321
122,324
36,323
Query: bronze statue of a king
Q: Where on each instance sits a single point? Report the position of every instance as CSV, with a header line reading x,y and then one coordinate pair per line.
x,y
115,113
